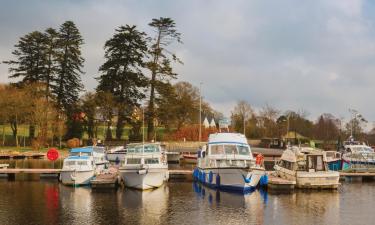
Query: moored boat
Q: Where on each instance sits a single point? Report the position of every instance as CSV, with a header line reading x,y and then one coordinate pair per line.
x,y
82,165
116,154
334,161
145,166
357,155
189,157
308,167
226,163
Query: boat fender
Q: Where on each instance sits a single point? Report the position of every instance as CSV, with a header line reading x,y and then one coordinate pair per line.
x,y
247,179
263,180
199,153
117,160
210,177
203,177
217,180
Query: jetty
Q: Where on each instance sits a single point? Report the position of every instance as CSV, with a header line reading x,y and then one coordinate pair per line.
x,y
25,155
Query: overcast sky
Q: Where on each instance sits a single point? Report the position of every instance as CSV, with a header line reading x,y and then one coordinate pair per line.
x,y
313,55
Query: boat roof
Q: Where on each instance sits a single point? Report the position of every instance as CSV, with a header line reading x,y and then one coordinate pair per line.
x,y
78,157
227,138
88,149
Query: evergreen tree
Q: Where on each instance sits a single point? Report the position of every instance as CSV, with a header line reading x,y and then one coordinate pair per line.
x,y
160,64
51,49
30,58
70,63
121,73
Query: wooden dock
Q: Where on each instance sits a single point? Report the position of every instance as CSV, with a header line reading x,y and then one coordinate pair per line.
x,y
25,155
31,171
110,180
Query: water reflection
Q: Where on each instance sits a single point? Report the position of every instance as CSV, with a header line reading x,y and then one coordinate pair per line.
x,y
144,207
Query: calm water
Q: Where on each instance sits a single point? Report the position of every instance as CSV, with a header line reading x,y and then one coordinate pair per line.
x,y
48,202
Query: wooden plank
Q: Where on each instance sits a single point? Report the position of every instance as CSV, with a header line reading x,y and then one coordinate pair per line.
x,y
357,174
26,170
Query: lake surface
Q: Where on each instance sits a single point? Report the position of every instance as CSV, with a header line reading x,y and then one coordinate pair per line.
x,y
48,202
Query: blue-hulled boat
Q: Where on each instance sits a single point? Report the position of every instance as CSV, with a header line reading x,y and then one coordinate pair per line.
x,y
226,163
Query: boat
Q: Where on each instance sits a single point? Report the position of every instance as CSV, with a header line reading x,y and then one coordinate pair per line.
x,y
189,157
116,154
226,163
357,155
145,166
82,165
307,167
334,161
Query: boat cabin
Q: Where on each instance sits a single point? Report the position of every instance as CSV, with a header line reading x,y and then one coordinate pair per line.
x,y
144,154
226,150
309,161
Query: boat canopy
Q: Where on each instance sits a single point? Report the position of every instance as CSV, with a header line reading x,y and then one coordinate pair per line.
x,y
78,157
84,149
227,138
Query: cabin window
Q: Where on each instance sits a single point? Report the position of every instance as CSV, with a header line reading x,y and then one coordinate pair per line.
x,y
230,149
316,162
82,163
217,150
152,161
243,150
133,161
70,163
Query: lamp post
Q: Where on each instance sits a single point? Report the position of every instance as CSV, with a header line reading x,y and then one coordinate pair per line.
x,y
200,111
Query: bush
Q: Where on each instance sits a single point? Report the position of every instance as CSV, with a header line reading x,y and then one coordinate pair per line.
x,y
73,143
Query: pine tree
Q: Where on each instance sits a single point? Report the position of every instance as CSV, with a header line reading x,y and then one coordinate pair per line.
x,y
30,58
160,64
121,72
69,69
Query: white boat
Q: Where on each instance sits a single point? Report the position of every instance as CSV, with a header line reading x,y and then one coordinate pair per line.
x,y
82,165
226,163
116,154
189,157
357,155
307,167
145,166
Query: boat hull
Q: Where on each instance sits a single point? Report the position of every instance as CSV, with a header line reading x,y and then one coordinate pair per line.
x,y
144,179
72,177
335,165
310,180
191,159
229,179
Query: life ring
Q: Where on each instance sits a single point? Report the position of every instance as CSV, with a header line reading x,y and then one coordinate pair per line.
x,y
259,159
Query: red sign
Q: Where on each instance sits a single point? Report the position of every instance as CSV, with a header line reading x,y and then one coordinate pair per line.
x,y
52,154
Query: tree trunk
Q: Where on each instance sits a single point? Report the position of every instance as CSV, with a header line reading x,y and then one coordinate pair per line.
x,y
120,124
108,132
4,135
151,113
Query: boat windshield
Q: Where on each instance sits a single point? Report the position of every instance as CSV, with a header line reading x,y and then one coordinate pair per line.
x,y
316,162
139,149
229,149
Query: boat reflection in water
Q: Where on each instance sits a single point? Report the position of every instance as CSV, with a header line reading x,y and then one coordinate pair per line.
x,y
250,205
145,207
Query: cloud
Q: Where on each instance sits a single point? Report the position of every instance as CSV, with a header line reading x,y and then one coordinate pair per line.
x,y
316,55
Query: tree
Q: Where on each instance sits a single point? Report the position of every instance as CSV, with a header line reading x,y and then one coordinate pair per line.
x,y
107,104
89,105
69,69
29,64
122,74
326,128
268,117
240,115
160,64
15,105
